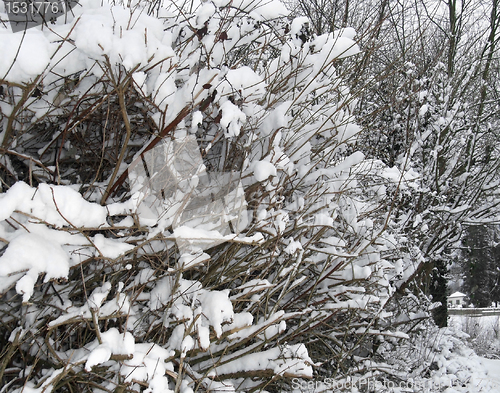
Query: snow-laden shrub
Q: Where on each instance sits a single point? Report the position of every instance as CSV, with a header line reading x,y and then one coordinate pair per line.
x,y
483,333
434,360
122,270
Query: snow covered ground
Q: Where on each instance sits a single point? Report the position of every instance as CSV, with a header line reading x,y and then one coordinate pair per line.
x,y
492,367
484,337
484,332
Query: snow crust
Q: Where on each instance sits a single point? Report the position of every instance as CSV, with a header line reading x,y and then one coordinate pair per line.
x,y
262,170
31,254
46,251
113,343
56,205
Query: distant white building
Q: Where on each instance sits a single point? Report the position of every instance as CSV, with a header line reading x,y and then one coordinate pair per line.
x,y
456,299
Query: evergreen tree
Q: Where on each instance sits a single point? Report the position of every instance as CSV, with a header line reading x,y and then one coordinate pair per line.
x,y
479,265
438,290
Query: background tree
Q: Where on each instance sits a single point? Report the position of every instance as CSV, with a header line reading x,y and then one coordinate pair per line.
x,y
425,78
480,265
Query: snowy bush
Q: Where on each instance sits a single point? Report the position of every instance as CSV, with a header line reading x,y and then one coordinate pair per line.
x,y
123,129
483,333
435,360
